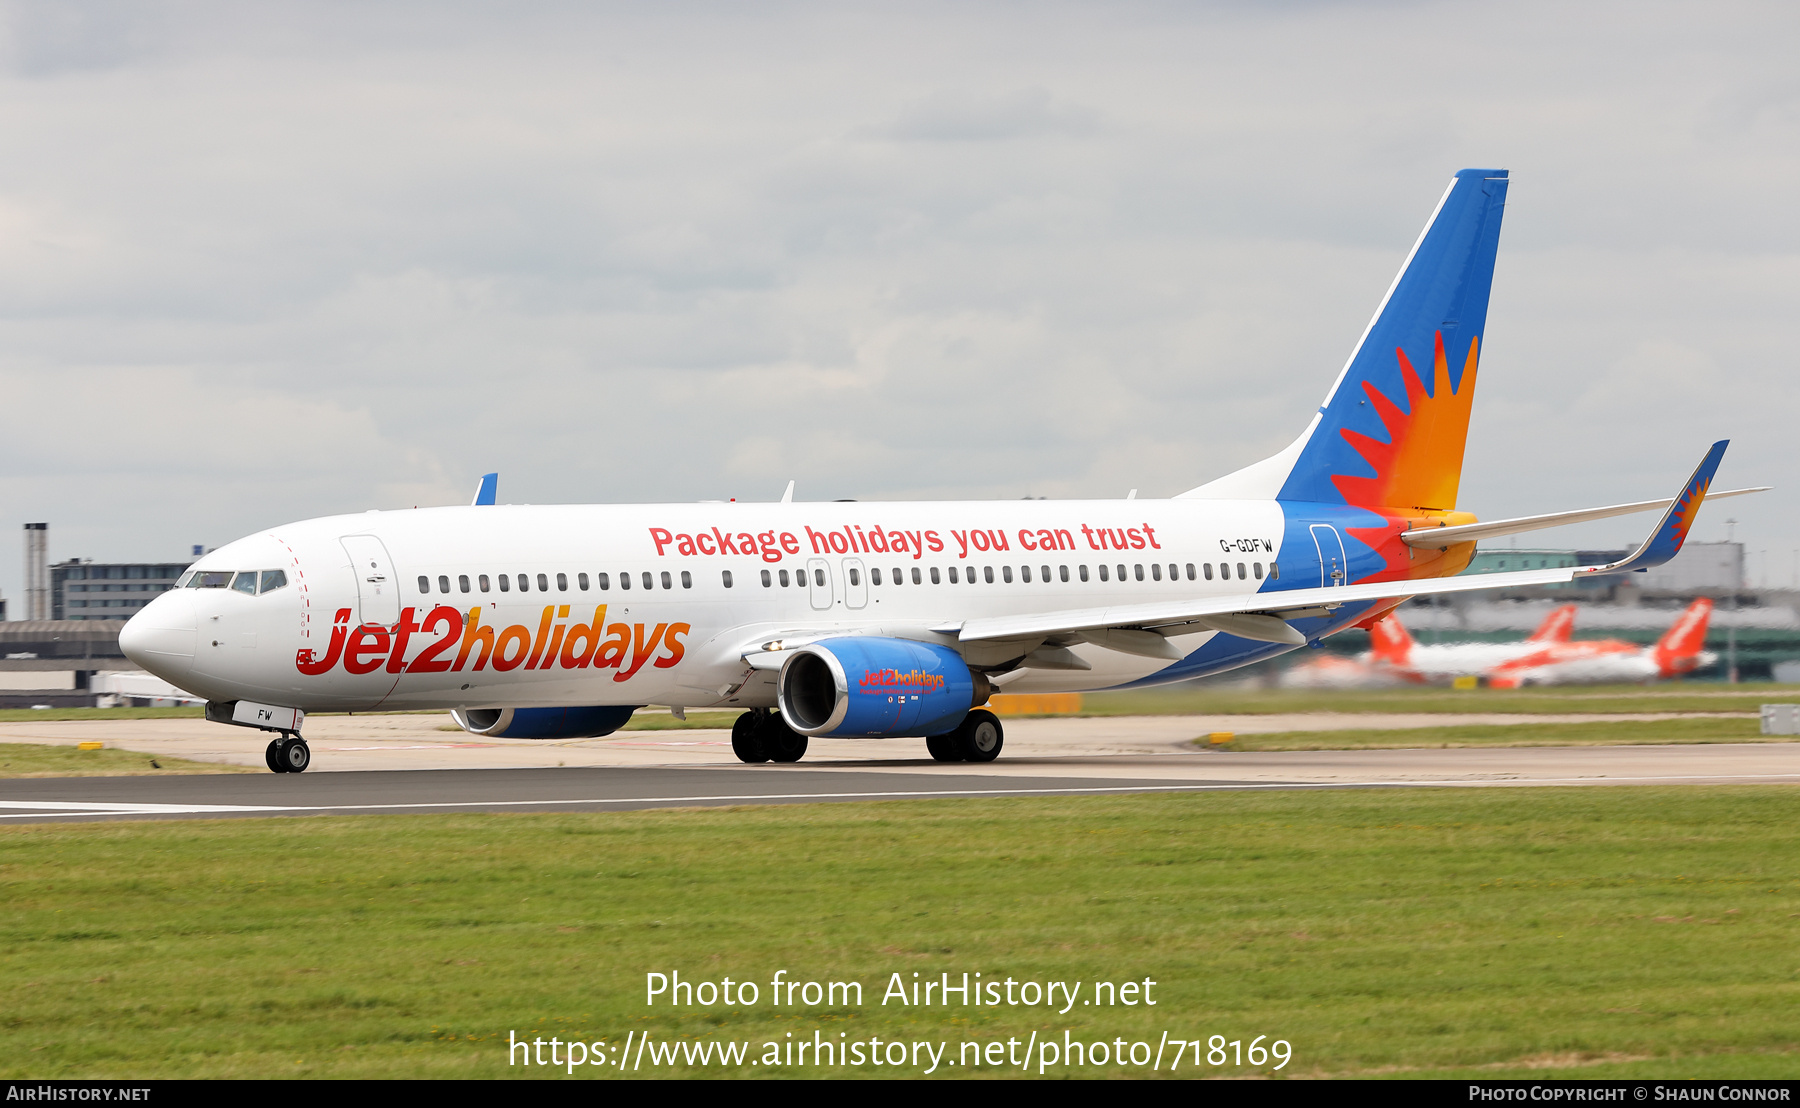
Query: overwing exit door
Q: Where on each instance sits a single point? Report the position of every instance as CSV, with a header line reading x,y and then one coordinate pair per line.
x,y
818,583
377,587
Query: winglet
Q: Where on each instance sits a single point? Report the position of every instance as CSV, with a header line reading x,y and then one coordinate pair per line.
x,y
788,496
1676,523
484,492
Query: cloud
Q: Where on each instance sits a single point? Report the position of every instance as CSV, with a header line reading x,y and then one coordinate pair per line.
x,y
640,253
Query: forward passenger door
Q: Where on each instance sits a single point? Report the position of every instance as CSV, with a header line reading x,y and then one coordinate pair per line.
x,y
377,587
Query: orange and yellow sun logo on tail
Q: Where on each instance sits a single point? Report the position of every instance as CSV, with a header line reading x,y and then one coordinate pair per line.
x,y
1420,466
1681,523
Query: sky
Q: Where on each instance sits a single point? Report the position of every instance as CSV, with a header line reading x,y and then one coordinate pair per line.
x,y
260,263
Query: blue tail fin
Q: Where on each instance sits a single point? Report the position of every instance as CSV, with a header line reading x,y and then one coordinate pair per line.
x,y
1392,429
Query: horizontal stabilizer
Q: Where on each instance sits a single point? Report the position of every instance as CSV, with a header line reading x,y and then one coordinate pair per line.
x,y
1437,538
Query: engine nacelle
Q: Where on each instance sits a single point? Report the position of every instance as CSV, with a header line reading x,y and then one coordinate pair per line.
x,y
542,723
861,686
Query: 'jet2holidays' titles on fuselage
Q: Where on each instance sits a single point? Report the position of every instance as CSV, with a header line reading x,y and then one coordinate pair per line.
x,y
621,647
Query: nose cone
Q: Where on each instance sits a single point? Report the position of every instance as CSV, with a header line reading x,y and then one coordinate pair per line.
x,y
161,637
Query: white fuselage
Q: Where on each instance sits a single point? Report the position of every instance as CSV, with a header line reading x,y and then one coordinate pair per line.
x,y
658,604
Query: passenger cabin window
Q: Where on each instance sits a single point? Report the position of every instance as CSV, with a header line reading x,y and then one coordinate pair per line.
x,y
934,576
953,579
1257,566
1156,570
987,574
875,574
1103,575
898,578
482,580
1274,571
1140,572
424,585
1025,574
687,579
604,580
915,574
819,577
544,583
784,578
1207,567
855,577
524,583
624,580
1241,574
505,583
725,576
1190,569
766,579
444,584
562,582
1081,571
462,582
581,581
245,583
649,583
273,579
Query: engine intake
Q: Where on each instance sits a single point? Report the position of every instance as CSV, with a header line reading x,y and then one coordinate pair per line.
x,y
861,686
542,723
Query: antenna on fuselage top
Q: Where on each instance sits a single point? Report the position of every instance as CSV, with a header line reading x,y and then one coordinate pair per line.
x,y
484,492
788,496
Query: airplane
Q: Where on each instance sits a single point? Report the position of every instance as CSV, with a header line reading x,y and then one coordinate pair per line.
x,y
1548,657
882,620
1677,653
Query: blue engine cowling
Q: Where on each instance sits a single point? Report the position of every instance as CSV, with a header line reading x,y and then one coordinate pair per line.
x,y
542,723
863,686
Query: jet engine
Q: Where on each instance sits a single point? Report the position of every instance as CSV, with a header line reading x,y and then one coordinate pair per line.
x,y
542,723
865,686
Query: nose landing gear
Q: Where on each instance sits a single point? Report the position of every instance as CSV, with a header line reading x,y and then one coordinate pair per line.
x,y
288,754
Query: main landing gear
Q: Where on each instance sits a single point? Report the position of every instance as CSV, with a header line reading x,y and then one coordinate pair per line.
x,y
977,739
760,735
288,754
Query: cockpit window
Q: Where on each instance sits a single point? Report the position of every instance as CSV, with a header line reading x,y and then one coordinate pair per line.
x,y
245,583
273,579
209,579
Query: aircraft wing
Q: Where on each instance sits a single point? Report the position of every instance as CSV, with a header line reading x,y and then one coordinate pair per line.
x,y
1263,615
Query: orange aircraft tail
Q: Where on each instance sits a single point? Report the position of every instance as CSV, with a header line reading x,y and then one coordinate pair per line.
x,y
1557,626
1678,650
1390,642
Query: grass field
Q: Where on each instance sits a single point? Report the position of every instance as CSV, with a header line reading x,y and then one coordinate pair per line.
x,y
36,760
1587,932
1601,733
1570,699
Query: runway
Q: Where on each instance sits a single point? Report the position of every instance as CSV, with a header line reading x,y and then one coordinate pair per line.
x,y
620,788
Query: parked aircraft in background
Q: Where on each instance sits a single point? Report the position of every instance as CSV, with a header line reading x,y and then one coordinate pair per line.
x,y
1548,657
882,620
1396,659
